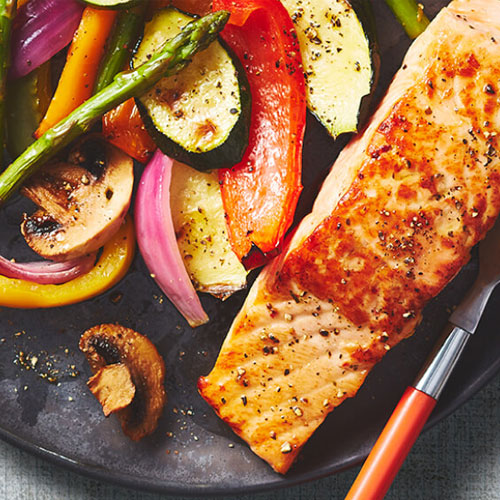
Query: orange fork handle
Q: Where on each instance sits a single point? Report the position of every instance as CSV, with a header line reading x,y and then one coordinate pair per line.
x,y
392,446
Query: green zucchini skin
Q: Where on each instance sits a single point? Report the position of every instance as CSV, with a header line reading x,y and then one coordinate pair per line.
x,y
225,155
364,11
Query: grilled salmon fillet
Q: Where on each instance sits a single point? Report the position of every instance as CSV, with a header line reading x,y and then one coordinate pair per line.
x,y
393,223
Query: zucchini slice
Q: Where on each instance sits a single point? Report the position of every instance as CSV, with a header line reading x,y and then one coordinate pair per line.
x,y
200,227
201,116
112,4
337,42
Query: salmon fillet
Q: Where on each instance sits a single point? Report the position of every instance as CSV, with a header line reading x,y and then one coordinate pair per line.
x,y
393,223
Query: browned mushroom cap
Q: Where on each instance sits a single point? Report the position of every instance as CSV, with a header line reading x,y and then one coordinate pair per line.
x,y
82,202
111,344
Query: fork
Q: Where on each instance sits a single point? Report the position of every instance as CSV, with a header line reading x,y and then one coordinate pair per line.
x,y
418,401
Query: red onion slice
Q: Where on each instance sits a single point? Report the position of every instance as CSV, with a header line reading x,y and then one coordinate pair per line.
x,y
41,29
157,241
46,272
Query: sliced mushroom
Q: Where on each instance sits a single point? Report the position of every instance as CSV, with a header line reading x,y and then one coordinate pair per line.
x,y
82,202
113,387
110,344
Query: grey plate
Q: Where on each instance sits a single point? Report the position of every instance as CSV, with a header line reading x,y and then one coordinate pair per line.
x,y
64,423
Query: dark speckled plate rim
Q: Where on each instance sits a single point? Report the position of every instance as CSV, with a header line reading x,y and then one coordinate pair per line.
x,y
155,486
443,409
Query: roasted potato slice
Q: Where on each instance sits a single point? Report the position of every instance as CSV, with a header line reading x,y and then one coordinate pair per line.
x,y
200,227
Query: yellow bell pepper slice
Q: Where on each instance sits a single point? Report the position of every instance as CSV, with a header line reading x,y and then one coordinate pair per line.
x,y
111,267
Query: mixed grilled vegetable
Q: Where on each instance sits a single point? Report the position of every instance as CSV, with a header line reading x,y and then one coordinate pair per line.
x,y
7,12
173,56
411,16
321,26
29,291
220,133
200,116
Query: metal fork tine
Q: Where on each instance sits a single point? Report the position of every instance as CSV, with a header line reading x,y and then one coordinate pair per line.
x,y
470,310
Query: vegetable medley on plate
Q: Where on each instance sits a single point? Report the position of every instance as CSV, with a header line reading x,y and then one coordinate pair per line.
x,y
210,97
92,86
180,125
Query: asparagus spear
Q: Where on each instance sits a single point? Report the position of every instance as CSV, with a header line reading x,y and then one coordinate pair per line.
x,y
7,12
170,59
410,15
125,34
28,98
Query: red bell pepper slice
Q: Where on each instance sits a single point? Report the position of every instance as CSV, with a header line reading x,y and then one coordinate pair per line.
x,y
261,192
124,128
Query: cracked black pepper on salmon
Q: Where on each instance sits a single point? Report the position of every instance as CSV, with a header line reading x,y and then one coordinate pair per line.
x,y
394,222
